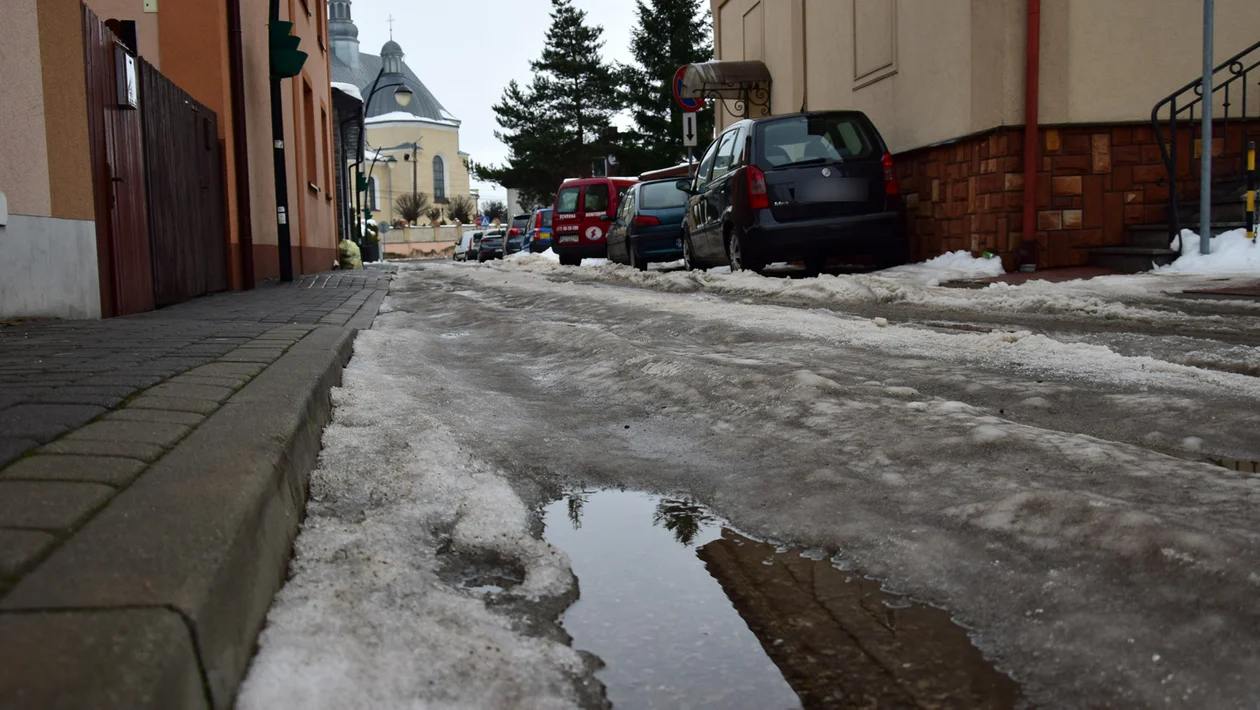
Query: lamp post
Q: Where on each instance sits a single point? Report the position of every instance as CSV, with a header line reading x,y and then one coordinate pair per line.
x,y
402,96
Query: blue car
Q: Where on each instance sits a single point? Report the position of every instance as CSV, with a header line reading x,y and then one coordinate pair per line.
x,y
648,227
538,233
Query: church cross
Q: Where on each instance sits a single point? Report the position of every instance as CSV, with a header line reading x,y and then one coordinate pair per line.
x,y
391,26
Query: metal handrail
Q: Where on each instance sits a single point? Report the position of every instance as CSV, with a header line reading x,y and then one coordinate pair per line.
x,y
1238,71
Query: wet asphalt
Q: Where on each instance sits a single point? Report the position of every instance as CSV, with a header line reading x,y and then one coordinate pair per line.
x,y
1065,533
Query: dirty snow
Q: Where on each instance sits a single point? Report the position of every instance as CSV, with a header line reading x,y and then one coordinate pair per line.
x,y
1232,254
953,266
366,620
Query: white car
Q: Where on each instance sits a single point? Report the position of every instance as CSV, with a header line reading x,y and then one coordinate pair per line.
x,y
461,249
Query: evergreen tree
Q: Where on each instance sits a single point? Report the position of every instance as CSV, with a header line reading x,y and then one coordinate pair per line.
x,y
559,125
670,34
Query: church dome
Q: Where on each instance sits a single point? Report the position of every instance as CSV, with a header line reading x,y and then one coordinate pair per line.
x,y
391,47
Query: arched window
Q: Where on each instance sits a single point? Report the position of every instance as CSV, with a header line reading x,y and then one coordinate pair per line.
x,y
373,197
439,178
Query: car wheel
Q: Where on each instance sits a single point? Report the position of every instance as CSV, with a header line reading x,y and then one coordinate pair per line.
x,y
481,258
738,256
570,260
689,259
636,261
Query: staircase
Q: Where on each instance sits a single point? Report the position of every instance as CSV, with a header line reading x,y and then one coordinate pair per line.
x,y
1147,246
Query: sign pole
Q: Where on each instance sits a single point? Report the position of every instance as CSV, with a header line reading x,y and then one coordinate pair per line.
x,y
1205,145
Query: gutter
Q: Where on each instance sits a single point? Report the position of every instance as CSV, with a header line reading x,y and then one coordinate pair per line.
x,y
240,148
1032,142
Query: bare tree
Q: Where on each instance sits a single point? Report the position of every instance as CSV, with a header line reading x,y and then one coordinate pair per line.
x,y
494,209
434,213
412,205
462,209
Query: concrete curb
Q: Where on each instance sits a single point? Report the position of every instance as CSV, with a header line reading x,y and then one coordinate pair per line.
x,y
203,537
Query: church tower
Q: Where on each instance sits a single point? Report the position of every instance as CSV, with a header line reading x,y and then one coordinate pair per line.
x,y
343,34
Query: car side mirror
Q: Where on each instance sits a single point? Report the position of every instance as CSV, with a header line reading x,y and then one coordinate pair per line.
x,y
685,186
606,218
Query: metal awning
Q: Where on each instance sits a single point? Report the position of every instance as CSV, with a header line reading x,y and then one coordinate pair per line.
x,y
746,83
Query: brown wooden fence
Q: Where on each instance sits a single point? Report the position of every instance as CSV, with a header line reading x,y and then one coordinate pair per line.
x,y
117,178
184,172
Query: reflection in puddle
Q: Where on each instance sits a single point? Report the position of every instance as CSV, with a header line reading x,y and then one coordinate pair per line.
x,y
686,612
1237,465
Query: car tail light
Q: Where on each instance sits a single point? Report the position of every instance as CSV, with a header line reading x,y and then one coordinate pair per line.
x,y
758,196
890,176
538,221
513,232
646,221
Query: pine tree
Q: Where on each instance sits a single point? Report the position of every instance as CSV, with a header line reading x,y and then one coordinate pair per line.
x,y
560,124
670,34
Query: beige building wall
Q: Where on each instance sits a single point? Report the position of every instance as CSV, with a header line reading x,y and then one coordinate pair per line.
x,y
23,143
928,72
395,178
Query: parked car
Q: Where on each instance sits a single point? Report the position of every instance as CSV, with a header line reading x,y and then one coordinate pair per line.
x,y
801,187
474,246
491,245
648,227
516,234
538,234
465,244
577,224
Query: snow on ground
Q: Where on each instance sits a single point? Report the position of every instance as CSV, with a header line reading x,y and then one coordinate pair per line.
x,y
1143,297
954,266
366,619
1232,254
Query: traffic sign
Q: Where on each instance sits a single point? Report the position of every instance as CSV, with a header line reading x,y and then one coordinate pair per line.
x,y
687,104
690,136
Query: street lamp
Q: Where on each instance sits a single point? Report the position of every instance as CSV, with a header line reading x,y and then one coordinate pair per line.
x,y
402,96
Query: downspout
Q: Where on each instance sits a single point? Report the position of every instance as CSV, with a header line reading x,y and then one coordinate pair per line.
x,y
1032,140
240,148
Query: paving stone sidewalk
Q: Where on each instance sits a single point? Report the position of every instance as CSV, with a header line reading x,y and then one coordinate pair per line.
x,y
88,408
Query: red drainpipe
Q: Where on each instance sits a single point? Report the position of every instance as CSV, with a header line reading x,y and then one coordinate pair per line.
x,y
1032,142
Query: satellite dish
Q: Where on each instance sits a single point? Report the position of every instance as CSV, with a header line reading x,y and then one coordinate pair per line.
x,y
612,160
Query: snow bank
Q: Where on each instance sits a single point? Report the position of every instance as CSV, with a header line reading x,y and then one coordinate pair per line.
x,y
373,615
1232,254
525,257
953,266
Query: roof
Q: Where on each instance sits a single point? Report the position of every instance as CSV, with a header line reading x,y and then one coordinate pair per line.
x,y
423,103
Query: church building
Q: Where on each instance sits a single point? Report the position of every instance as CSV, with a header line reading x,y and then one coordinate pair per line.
x,y
412,146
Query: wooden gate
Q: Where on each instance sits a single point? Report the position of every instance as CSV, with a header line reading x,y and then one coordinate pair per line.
x,y
184,174
122,238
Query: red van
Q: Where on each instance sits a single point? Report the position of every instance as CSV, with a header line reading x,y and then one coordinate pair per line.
x,y
584,210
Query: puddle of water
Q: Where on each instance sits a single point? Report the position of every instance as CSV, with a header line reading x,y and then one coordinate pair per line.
x,y
1240,466
686,612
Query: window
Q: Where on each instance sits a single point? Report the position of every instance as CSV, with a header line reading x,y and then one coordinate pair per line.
x,y
373,194
308,128
816,139
546,215
706,165
627,207
596,198
321,25
567,200
324,135
726,149
439,178
662,196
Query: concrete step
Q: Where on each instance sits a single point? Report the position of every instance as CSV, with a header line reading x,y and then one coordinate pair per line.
x,y
1130,260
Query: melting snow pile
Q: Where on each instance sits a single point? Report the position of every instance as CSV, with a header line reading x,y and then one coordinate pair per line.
x,y
524,257
1232,253
953,266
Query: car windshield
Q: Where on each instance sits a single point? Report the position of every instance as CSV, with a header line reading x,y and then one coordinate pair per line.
x,y
805,140
661,196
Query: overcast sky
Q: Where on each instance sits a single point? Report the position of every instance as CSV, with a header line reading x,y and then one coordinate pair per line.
x,y
466,51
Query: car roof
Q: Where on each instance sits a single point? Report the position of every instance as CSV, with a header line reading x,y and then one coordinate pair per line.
x,y
573,182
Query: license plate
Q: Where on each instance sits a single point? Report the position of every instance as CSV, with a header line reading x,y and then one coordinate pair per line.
x,y
568,238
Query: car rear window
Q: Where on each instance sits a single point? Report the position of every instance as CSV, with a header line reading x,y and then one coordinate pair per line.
x,y
596,198
661,196
546,215
567,200
815,139
520,221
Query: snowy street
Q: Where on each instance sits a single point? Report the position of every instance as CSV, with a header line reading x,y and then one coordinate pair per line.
x,y
533,470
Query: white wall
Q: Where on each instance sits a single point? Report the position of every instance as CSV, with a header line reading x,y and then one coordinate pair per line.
x,y
48,268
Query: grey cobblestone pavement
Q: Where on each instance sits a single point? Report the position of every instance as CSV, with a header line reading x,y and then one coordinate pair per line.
x,y
87,406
